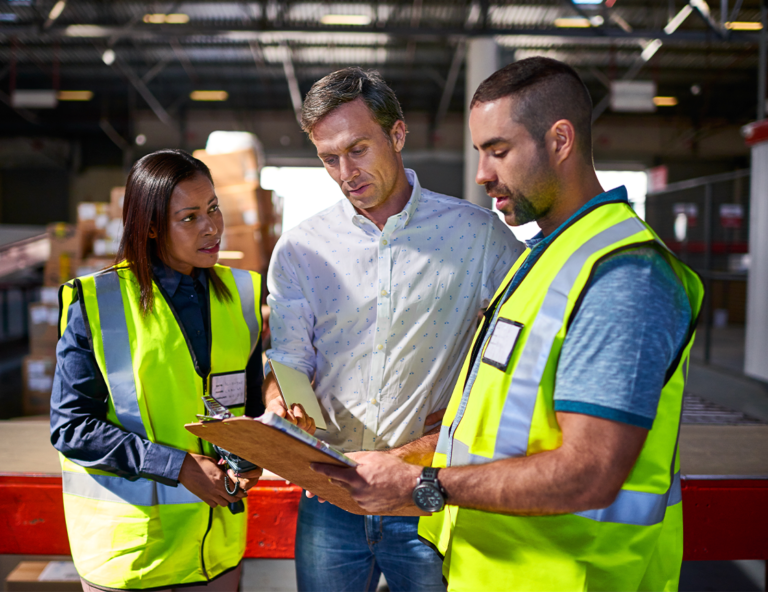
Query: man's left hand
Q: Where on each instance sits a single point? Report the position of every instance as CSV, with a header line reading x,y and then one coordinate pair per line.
x,y
381,483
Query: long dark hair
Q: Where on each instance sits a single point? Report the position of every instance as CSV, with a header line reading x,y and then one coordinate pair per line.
x,y
145,206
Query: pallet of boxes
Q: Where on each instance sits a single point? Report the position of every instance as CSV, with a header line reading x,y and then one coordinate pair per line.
x,y
76,250
248,237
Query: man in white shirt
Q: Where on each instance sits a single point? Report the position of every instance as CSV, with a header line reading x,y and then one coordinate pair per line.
x,y
376,298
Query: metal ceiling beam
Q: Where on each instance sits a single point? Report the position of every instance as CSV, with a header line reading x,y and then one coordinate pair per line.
x,y
145,93
450,82
293,83
240,34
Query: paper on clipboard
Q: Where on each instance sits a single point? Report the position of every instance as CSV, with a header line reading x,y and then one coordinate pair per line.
x,y
296,389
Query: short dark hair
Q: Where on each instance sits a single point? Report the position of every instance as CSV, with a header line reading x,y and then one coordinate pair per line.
x,y
344,86
548,90
145,206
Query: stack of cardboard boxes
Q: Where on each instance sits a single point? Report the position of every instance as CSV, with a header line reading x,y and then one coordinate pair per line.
x,y
248,236
76,250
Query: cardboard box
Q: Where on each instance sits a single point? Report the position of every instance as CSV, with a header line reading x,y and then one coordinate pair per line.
x,y
43,328
241,248
44,576
37,375
66,252
92,220
116,197
232,168
238,204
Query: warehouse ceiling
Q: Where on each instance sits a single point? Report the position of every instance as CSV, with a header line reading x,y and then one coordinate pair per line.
x,y
265,55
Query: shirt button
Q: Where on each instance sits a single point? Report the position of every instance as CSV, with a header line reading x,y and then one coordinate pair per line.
x,y
379,347
383,292
384,242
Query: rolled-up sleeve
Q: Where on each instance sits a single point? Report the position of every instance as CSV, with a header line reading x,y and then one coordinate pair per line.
x,y
291,321
79,426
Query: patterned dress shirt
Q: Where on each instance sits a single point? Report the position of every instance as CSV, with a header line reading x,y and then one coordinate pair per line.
x,y
382,319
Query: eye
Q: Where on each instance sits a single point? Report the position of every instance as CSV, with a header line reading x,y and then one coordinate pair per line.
x,y
358,151
214,208
500,153
188,218
330,161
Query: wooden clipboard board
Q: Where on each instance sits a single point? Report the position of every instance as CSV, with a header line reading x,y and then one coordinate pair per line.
x,y
278,452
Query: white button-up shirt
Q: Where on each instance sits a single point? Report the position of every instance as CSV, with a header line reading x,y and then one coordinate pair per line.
x,y
383,319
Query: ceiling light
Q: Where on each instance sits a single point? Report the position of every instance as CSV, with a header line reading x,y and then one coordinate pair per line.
x,y
346,19
8,17
665,101
33,99
108,57
87,31
696,90
587,1
650,49
678,19
155,19
744,26
141,139
177,19
209,95
57,9
573,22
75,95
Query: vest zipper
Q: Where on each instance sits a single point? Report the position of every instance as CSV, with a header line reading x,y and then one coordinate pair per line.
x,y
202,544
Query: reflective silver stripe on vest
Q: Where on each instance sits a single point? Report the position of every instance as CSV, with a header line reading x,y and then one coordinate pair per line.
x,y
244,283
638,507
443,440
515,424
117,352
141,492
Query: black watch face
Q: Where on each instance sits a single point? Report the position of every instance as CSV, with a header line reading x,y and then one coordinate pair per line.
x,y
428,498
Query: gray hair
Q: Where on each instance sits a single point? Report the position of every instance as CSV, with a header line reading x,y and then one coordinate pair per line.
x,y
345,86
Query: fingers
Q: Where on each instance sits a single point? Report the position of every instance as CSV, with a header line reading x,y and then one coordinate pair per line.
x,y
277,407
247,479
303,420
310,495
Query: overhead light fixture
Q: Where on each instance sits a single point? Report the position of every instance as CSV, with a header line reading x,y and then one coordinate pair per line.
x,y
141,139
587,1
75,95
108,57
346,19
56,11
650,50
158,18
177,19
678,19
665,101
744,26
8,17
573,22
87,31
33,99
633,96
702,7
209,95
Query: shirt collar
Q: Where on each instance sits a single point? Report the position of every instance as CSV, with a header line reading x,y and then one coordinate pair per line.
x,y
405,214
170,279
619,194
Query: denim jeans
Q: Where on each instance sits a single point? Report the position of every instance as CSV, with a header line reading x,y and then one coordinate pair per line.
x,y
337,551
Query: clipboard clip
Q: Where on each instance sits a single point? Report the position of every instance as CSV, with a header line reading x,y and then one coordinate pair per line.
x,y
216,411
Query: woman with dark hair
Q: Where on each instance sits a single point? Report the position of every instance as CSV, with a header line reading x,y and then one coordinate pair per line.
x,y
146,502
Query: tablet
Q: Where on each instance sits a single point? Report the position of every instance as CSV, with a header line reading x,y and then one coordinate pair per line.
x,y
295,388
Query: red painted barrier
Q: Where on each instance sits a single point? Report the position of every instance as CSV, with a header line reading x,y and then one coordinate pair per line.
x,y
723,519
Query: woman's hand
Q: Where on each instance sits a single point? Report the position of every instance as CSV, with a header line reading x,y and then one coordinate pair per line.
x,y
247,479
205,478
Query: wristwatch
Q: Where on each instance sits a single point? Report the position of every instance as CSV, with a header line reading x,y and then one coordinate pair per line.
x,y
429,495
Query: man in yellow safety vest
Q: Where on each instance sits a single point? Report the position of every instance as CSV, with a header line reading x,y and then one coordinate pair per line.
x,y
556,467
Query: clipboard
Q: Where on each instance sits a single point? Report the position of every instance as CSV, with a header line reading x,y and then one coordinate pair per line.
x,y
277,451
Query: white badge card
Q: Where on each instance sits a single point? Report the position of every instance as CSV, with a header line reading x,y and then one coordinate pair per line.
x,y
229,388
502,343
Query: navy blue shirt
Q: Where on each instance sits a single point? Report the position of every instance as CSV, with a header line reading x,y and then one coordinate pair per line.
x,y
79,428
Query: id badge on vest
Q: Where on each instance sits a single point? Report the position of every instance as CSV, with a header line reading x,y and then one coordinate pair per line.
x,y
228,388
502,343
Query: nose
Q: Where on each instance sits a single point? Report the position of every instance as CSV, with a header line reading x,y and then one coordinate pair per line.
x,y
347,169
208,225
485,171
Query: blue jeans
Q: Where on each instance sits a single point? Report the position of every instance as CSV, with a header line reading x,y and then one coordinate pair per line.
x,y
337,551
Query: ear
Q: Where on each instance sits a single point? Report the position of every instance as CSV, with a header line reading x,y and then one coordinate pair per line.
x,y
397,135
561,140
152,233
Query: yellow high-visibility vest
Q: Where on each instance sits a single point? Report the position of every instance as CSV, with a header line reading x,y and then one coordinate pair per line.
x,y
502,412
139,533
